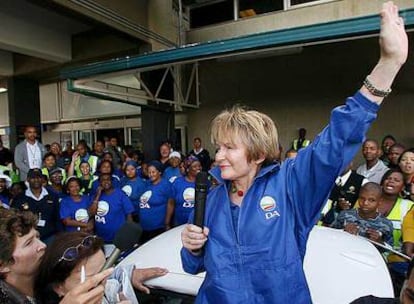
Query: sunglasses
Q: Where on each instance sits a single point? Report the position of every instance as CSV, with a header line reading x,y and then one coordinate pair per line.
x,y
72,253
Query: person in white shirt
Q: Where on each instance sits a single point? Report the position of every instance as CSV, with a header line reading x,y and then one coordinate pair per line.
x,y
29,153
374,168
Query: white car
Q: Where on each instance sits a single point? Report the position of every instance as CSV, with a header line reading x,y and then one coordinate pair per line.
x,y
339,267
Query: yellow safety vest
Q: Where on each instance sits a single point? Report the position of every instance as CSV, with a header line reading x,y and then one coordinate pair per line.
x,y
93,163
396,216
305,143
45,171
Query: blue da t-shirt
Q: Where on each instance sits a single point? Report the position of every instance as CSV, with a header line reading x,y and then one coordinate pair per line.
x,y
153,205
183,192
77,211
133,189
171,174
113,210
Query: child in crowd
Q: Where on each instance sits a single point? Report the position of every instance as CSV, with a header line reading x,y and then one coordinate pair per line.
x,y
365,220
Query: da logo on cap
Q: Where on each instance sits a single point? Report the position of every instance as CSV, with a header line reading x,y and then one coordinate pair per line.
x,y
267,203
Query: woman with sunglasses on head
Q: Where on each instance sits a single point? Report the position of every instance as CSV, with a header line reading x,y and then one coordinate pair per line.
x,y
74,208
73,257
20,255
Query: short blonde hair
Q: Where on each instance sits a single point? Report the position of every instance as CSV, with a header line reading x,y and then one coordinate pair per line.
x,y
256,131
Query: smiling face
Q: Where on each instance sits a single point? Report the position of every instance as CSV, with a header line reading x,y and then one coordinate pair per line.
x,y
56,178
153,174
164,151
50,161
85,168
194,168
55,148
232,159
73,187
105,181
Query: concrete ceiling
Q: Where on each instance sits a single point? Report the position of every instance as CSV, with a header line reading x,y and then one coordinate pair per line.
x,y
38,37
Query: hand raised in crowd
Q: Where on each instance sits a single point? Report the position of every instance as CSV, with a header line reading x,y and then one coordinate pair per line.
x,y
89,292
193,237
75,155
139,276
393,37
351,228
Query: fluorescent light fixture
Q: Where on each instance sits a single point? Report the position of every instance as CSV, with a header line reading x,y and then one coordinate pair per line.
x,y
2,90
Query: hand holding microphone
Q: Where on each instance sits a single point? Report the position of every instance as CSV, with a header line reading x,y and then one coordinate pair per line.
x,y
194,236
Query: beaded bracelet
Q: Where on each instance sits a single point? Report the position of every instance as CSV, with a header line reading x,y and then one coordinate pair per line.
x,y
375,91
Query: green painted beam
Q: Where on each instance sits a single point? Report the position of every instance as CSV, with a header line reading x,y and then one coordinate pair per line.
x,y
304,34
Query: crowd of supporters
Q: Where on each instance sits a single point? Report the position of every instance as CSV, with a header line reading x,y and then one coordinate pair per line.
x,y
97,189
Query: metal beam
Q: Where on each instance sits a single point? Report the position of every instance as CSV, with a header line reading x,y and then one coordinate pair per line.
x,y
341,29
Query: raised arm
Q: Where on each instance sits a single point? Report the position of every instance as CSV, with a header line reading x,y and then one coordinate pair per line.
x,y
312,174
394,50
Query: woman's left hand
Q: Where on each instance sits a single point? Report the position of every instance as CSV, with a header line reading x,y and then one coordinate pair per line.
x,y
139,276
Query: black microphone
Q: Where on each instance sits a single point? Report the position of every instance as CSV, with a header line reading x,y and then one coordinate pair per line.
x,y
201,186
126,238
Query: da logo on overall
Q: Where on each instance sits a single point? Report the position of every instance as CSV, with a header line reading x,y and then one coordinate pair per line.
x,y
268,205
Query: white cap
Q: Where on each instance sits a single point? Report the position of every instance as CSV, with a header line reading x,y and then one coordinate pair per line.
x,y
175,154
7,178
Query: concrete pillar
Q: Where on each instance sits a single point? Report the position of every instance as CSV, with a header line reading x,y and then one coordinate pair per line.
x,y
24,107
157,126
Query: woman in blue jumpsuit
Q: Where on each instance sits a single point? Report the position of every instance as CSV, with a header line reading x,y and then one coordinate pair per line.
x,y
259,216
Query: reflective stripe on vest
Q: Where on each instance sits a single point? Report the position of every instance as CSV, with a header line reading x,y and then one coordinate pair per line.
x,y
92,161
396,215
305,143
